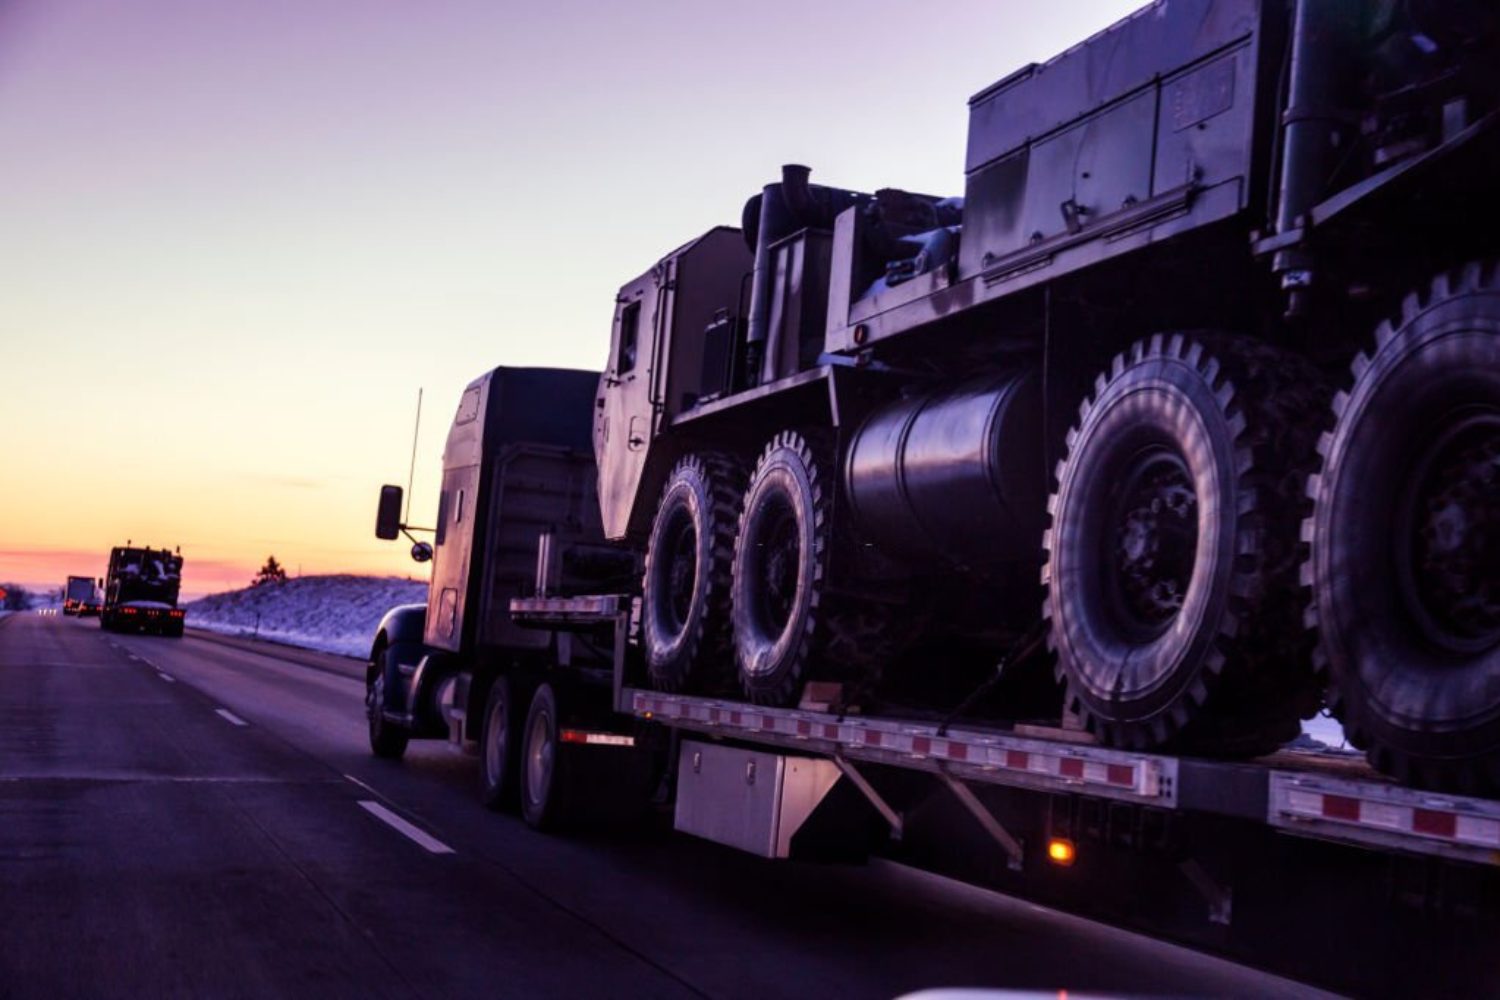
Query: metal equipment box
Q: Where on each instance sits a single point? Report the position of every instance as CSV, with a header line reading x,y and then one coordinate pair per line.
x,y
748,799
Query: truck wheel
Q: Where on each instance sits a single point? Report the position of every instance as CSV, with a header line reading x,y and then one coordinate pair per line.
x,y
387,739
780,559
784,621
548,798
1404,558
1171,561
685,595
499,750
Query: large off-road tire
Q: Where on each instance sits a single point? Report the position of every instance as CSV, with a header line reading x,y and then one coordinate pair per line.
x,y
1404,553
685,590
387,740
550,792
786,623
500,747
1172,556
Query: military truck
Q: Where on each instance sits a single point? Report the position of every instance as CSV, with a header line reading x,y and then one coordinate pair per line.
x,y
1008,530
140,592
1198,381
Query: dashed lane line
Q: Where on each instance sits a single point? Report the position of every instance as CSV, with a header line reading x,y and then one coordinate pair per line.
x,y
429,843
230,717
361,784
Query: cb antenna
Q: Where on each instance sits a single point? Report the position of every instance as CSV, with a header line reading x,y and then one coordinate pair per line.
x,y
412,472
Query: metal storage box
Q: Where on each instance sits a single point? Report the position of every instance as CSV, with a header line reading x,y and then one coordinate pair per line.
x,y
748,799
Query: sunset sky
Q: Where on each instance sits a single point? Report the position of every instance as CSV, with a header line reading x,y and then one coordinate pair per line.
x,y
237,235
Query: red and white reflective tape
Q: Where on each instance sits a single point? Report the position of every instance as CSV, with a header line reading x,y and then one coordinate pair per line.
x,y
595,739
1026,760
1375,812
598,605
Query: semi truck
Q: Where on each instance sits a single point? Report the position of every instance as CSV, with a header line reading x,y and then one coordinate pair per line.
x,y
1015,533
81,596
140,591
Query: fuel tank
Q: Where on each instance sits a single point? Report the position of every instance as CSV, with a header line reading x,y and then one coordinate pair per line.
x,y
953,477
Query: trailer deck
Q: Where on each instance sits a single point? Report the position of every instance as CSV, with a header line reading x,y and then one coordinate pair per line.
x,y
1329,796
1326,795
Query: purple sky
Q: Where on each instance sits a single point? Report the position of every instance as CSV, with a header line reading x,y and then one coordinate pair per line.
x,y
239,234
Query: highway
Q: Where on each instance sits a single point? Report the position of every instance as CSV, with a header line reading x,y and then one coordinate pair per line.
x,y
203,818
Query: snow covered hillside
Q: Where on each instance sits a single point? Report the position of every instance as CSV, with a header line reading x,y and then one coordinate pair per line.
x,y
336,614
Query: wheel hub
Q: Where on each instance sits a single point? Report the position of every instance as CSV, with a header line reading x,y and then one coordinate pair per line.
x,y
779,556
682,571
539,760
1456,533
494,741
1155,540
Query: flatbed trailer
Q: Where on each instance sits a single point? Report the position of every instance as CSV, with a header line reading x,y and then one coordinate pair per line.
x,y
1331,796
1306,862
1180,425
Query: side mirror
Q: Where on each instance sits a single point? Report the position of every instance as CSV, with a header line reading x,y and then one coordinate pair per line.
x,y
388,517
421,551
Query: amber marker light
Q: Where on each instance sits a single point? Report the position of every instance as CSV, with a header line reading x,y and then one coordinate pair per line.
x,y
1061,852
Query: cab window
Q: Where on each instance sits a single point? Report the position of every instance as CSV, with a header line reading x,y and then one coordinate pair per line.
x,y
468,406
630,328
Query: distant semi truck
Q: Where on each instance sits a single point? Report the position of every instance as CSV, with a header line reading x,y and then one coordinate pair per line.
x,y
140,592
81,596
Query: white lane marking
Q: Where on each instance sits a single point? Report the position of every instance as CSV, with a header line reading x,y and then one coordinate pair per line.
x,y
166,677
361,784
230,717
380,812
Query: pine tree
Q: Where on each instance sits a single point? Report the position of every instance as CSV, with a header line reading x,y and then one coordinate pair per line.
x,y
271,572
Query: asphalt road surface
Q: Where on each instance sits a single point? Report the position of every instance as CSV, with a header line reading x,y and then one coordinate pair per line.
x,y
195,818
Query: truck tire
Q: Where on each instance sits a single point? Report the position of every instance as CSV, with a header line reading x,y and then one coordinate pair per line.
x,y
499,747
548,793
685,591
1172,558
786,624
1404,554
780,564
387,740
